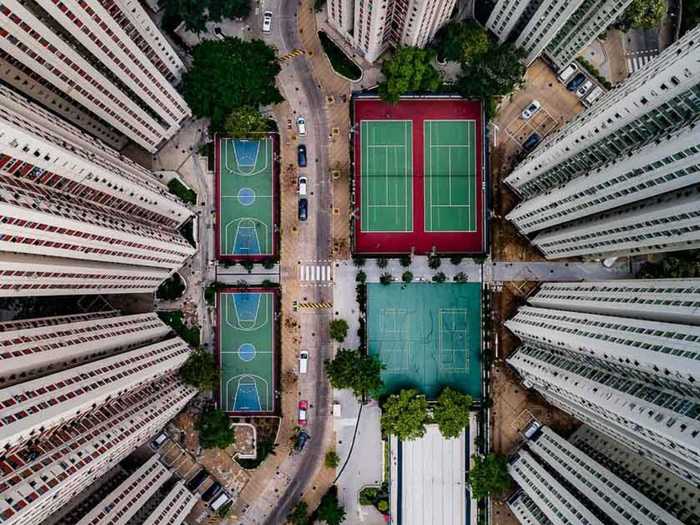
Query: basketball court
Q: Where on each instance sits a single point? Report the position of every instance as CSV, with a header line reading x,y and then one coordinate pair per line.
x,y
428,336
246,346
246,197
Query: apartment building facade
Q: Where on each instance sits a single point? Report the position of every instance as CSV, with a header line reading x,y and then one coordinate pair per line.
x,y
103,65
373,26
559,483
559,28
633,377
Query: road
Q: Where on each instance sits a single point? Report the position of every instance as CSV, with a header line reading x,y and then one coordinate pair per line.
x,y
641,45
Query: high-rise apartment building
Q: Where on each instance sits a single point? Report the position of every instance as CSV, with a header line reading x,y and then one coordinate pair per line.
x,y
372,26
561,483
77,394
102,65
559,28
66,196
622,177
633,376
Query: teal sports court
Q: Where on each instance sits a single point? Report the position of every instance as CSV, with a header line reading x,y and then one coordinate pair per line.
x,y
427,336
246,199
246,347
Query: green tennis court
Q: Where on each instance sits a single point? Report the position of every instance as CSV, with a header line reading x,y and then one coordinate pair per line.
x,y
386,175
246,351
246,197
450,175
428,336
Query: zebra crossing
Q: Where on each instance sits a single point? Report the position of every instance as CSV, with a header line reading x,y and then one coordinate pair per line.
x,y
638,59
316,273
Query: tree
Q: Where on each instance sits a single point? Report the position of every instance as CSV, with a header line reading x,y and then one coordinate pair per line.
x,y
338,329
245,121
407,277
409,69
355,370
358,261
497,72
331,460
405,260
405,415
299,515
330,510
214,429
456,259
451,412
220,9
200,370
382,262
386,278
360,277
196,13
488,475
439,277
462,41
644,14
228,74
171,288
461,277
434,262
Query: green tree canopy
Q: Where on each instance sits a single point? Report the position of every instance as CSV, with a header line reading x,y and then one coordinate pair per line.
x,y
355,370
451,412
299,515
196,13
496,73
338,329
200,370
645,14
331,459
488,475
409,69
228,74
244,121
462,41
214,428
405,415
330,510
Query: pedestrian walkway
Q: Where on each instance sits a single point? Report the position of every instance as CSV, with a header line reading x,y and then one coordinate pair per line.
x,y
316,273
637,59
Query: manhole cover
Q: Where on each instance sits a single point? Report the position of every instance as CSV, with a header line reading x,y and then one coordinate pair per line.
x,y
335,131
335,174
336,211
330,99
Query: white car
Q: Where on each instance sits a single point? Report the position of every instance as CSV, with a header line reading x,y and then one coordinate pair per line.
x,y
302,186
267,21
581,92
301,125
303,361
566,73
532,108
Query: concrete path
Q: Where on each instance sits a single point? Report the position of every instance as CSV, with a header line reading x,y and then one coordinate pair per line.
x,y
555,271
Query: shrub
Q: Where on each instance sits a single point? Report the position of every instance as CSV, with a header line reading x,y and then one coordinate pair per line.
x,y
456,259
269,264
407,277
175,321
331,460
593,71
385,278
382,262
339,61
434,262
439,277
200,370
214,429
368,495
461,277
248,265
405,261
182,192
383,506
338,329
361,277
359,261
171,288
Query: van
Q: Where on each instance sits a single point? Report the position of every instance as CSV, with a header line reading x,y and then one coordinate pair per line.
x,y
212,491
594,95
196,480
221,500
565,74
302,186
303,361
159,440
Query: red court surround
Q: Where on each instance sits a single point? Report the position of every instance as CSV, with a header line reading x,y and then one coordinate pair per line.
x,y
422,242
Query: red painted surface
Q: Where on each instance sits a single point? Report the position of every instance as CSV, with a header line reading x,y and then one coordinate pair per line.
x,y
275,204
418,110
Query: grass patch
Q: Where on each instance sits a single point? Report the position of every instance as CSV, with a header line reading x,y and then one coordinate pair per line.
x,y
184,193
174,321
339,60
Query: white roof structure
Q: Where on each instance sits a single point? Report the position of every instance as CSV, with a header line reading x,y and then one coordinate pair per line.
x,y
433,480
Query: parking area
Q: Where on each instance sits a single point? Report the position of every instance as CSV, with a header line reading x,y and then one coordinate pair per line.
x,y
519,130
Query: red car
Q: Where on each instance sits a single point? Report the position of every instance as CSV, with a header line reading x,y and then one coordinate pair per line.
x,y
303,408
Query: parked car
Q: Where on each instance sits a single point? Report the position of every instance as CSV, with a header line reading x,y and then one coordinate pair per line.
x,y
303,209
532,108
585,87
301,125
300,441
301,155
303,183
594,94
303,409
574,84
212,491
158,440
566,73
531,142
303,361
267,21
196,480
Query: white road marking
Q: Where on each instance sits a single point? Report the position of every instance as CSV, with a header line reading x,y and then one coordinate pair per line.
x,y
316,271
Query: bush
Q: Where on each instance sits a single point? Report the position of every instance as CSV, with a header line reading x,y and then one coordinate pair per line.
x,y
456,259
171,288
200,370
299,515
407,277
269,264
593,71
361,296
461,277
182,192
330,510
439,277
331,460
434,262
383,506
368,495
382,262
338,329
214,429
267,283
248,265
340,62
405,261
174,320
361,277
385,278
359,261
